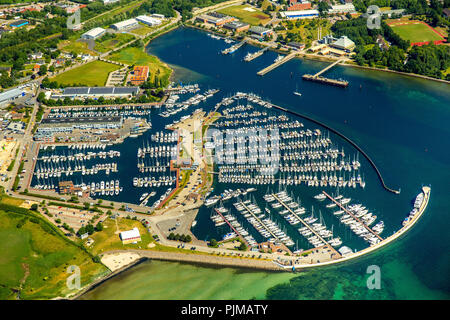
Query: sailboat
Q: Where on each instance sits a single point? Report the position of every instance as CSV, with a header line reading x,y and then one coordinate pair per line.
x,y
296,92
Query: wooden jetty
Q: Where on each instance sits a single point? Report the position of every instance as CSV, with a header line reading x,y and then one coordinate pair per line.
x,y
276,64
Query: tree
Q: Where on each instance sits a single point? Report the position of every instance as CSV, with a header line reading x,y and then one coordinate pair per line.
x,y
213,243
99,227
243,247
34,207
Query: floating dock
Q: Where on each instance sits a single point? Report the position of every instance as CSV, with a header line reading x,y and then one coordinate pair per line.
x,y
276,64
234,47
255,55
318,78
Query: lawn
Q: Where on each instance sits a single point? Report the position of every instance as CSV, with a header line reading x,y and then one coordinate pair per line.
x,y
75,46
111,43
35,258
94,73
137,56
142,30
247,13
416,32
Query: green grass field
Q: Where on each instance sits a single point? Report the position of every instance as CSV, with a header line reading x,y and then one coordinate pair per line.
x,y
138,57
242,12
118,40
415,32
142,30
75,46
94,73
34,259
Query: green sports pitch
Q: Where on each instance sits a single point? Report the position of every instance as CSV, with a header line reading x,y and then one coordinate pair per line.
x,y
415,32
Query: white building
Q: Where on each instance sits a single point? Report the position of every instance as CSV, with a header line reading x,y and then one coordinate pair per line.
x,y
342,8
300,14
93,34
130,236
125,25
343,43
148,20
10,95
157,15
109,1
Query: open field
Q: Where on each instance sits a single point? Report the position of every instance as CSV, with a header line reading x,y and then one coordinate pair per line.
x,y
142,30
114,42
247,13
137,56
75,46
414,31
94,73
35,258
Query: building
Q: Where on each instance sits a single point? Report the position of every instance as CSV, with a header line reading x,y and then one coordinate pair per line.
x,y
109,1
130,236
125,25
66,187
295,5
93,34
139,75
151,21
343,43
342,8
18,24
157,15
215,18
236,26
296,45
302,14
390,13
10,95
260,31
328,39
97,92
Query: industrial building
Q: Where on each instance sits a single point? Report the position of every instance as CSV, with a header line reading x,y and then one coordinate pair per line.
x,y
215,18
10,95
301,14
236,26
18,24
260,31
96,92
150,21
93,34
125,25
342,8
130,236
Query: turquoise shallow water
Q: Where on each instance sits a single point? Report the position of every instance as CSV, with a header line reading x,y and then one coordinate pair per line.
x,y
401,122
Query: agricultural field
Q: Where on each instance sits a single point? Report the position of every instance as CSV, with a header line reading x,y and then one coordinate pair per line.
x,y
94,73
137,56
35,257
112,41
414,31
247,14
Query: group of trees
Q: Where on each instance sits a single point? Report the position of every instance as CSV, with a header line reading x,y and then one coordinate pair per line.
x,y
90,229
178,237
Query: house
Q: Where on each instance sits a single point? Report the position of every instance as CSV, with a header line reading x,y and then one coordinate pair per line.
x,y
36,68
130,236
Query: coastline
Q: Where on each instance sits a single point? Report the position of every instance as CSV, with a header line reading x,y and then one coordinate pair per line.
x,y
324,58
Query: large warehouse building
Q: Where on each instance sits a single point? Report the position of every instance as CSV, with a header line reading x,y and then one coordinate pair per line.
x,y
93,34
302,14
148,20
125,25
97,92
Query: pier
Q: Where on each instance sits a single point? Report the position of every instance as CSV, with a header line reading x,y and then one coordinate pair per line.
x,y
255,55
317,77
276,64
306,225
343,137
234,47
352,215
232,228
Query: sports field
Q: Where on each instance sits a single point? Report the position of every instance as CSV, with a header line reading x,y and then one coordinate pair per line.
x,y
414,31
247,14
92,74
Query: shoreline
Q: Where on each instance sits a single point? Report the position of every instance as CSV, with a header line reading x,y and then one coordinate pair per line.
x,y
324,58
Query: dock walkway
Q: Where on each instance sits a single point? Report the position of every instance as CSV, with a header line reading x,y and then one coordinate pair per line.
x,y
277,64
352,215
255,55
232,228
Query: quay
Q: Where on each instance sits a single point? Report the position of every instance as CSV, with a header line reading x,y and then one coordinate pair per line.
x,y
255,55
343,137
317,77
352,215
338,255
232,228
276,64
234,47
